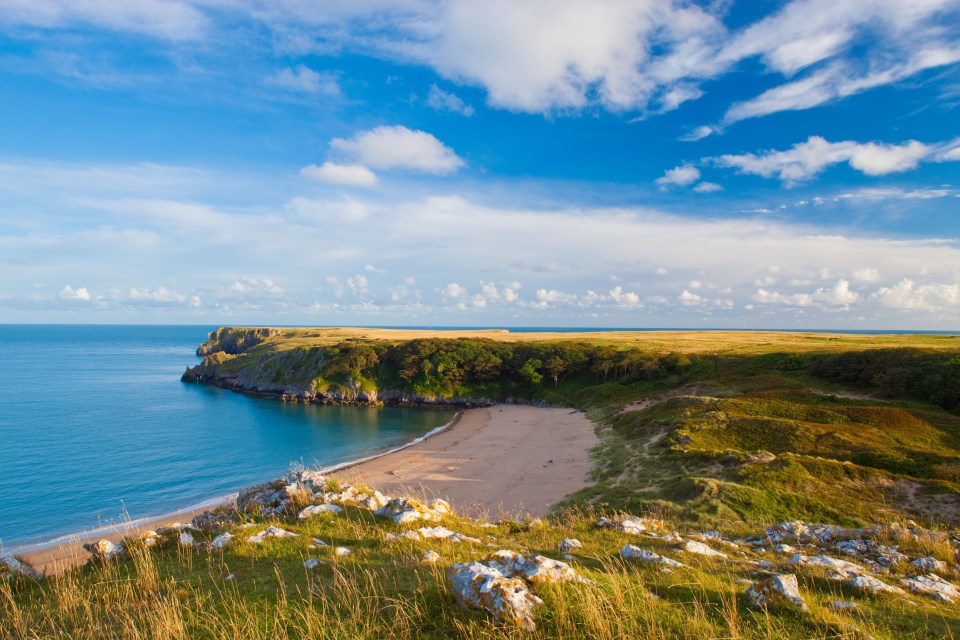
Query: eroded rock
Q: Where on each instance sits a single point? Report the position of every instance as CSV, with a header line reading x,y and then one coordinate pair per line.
x,y
318,509
221,540
873,585
21,568
271,532
481,587
568,544
779,589
630,551
692,546
445,534
402,510
932,585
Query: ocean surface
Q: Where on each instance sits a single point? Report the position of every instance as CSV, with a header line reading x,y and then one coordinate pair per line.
x,y
96,427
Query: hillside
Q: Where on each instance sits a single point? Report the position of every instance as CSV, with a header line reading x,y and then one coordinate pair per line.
x,y
712,442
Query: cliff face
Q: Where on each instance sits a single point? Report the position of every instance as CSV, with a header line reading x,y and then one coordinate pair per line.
x,y
234,340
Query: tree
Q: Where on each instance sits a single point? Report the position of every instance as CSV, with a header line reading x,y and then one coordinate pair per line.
x,y
529,371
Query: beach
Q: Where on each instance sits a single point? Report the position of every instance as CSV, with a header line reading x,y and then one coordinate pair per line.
x,y
501,461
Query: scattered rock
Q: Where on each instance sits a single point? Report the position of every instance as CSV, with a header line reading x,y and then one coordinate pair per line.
x,y
630,524
929,564
216,519
185,539
402,510
271,532
21,568
932,585
149,538
317,509
431,557
784,548
105,550
630,551
342,552
842,569
869,583
538,569
408,535
319,542
445,534
692,546
842,606
781,588
221,540
311,563
476,585
569,543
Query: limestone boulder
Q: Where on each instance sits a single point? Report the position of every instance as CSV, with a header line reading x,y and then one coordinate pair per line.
x,y
21,568
318,509
873,585
779,589
271,532
403,510
932,585
481,587
700,549
630,551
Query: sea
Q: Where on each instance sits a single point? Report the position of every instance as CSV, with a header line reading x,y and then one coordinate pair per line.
x,y
97,430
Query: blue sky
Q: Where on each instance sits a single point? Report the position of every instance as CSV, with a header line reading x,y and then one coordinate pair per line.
x,y
647,163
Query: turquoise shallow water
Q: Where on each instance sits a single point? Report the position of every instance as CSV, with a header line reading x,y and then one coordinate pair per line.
x,y
95,424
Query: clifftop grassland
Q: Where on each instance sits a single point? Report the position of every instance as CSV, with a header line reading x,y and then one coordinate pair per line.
x,y
733,440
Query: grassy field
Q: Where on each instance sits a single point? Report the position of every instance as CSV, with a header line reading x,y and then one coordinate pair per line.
x,y
740,432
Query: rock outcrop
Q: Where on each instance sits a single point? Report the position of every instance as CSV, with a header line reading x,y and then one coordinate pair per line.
x,y
778,589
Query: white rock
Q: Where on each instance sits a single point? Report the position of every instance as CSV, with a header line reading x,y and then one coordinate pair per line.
x,y
431,557
271,532
932,585
402,510
319,542
782,588
784,548
221,540
536,569
342,552
929,564
569,543
311,563
21,568
406,535
869,583
692,546
842,568
476,585
630,524
840,606
317,509
630,551
185,539
445,534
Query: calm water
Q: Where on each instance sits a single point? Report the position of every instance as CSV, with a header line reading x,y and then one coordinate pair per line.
x,y
95,422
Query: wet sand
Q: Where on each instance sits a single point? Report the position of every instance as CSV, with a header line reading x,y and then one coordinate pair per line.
x,y
501,461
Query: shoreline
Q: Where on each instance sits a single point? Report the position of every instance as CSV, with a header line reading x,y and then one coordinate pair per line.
x,y
426,467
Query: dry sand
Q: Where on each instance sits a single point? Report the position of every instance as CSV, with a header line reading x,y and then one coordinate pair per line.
x,y
502,461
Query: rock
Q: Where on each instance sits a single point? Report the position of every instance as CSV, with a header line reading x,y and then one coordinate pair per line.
x,y
149,538
271,532
319,542
538,569
842,568
766,564
373,501
481,587
692,546
778,589
317,509
630,551
929,564
630,524
216,520
441,506
402,510
855,547
569,543
431,557
869,583
842,606
21,568
311,563
185,539
221,540
172,529
784,548
445,534
256,499
408,535
342,552
105,550
932,585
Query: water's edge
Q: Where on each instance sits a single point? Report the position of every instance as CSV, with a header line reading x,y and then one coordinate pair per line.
x,y
210,503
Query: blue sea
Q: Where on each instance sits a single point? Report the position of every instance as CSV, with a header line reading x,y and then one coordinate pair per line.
x,y
96,428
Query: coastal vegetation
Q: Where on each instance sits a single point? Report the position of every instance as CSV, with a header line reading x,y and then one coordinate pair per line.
x,y
733,432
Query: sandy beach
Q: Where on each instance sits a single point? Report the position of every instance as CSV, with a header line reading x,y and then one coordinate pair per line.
x,y
500,461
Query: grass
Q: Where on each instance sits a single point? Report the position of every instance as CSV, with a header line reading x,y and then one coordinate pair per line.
x,y
743,437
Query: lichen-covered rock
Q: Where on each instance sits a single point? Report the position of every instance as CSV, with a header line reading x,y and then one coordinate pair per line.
x,y
841,568
221,540
929,564
271,532
21,568
476,585
103,550
402,510
568,544
431,557
630,524
692,546
630,551
932,585
778,589
536,569
445,534
873,585
317,509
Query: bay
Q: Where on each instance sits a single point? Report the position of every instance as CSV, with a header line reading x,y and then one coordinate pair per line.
x,y
96,427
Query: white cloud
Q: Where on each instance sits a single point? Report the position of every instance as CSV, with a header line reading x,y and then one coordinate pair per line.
x,y
698,133
398,147
840,294
908,295
303,79
772,297
870,194
689,299
354,175
708,187
866,274
660,271
807,159
369,268
680,176
160,294
625,298
444,101
454,290
69,293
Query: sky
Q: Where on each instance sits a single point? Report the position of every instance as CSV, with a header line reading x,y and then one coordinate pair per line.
x,y
552,163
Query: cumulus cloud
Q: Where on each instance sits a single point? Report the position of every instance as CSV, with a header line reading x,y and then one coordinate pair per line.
x,y
708,187
866,274
160,294
454,290
807,159
679,176
69,293
303,79
353,175
909,295
445,101
398,147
